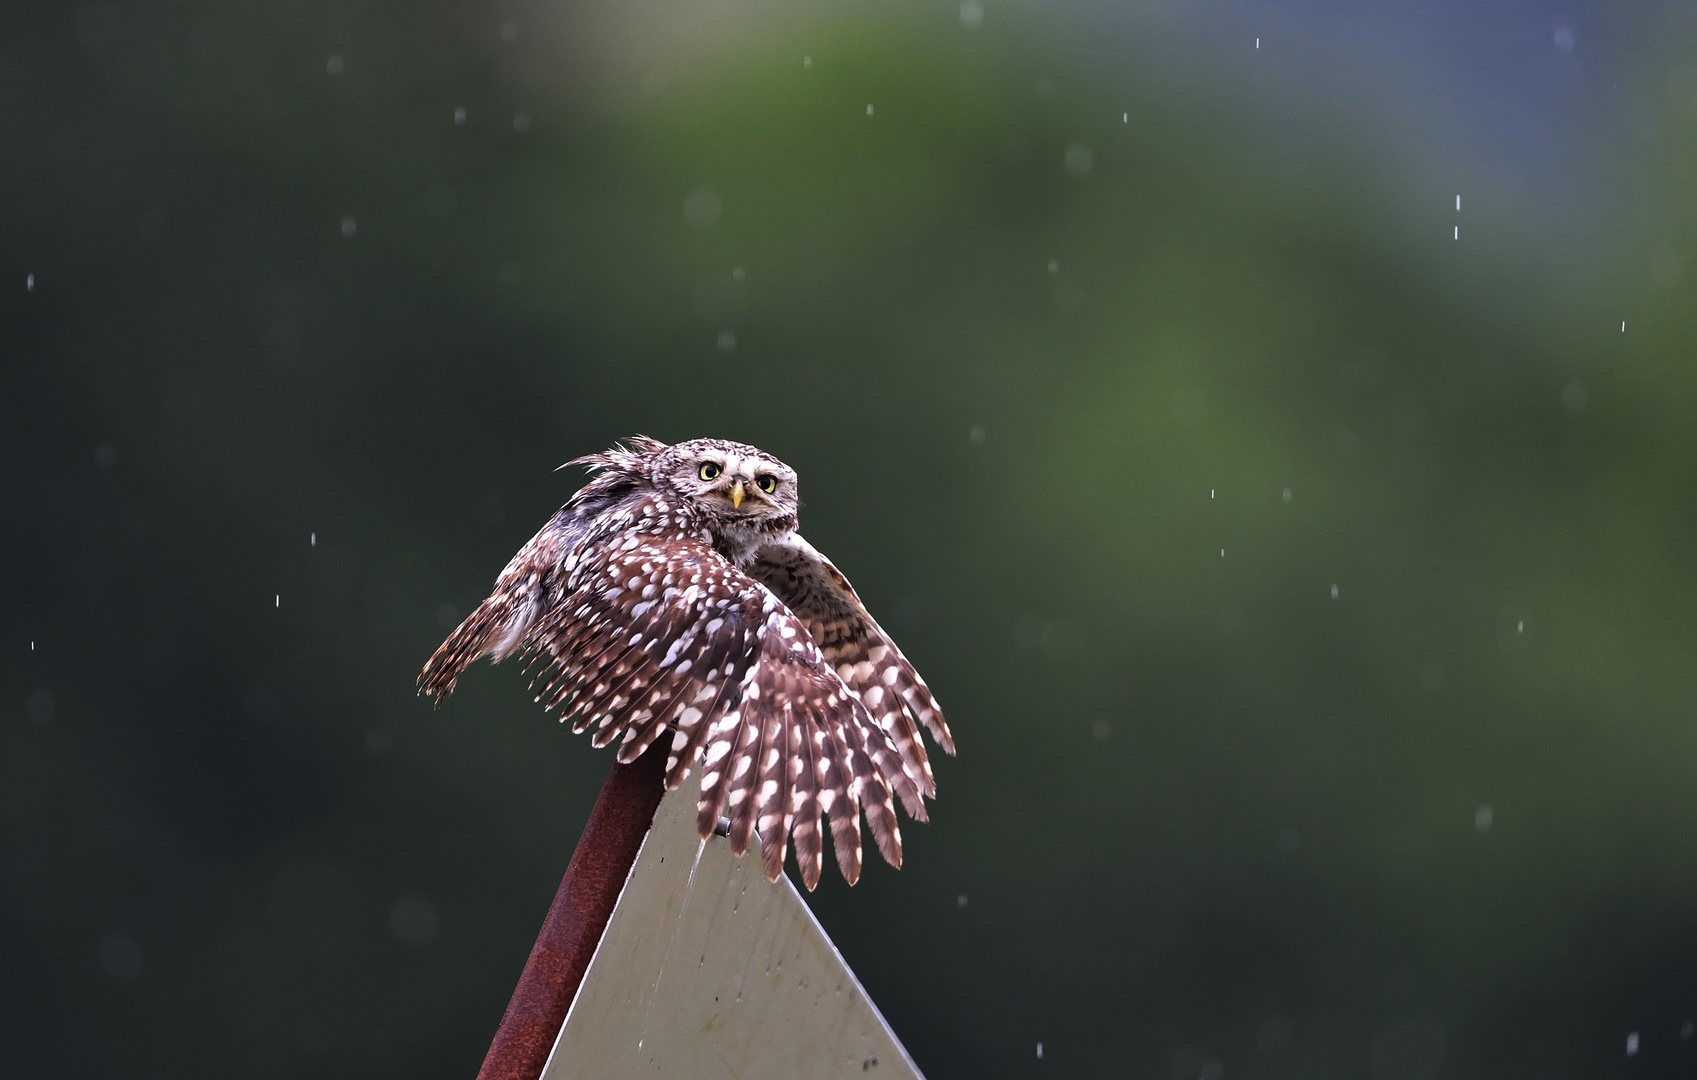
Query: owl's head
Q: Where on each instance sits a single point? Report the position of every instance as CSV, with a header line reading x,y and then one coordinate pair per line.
x,y
730,483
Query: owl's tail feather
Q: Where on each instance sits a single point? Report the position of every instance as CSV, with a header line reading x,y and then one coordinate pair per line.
x,y
494,629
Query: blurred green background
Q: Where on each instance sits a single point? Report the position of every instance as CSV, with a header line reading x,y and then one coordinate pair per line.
x,y
1306,565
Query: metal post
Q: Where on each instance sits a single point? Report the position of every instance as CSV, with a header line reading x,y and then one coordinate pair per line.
x,y
594,878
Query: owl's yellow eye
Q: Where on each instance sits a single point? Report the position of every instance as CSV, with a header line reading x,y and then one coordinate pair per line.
x,y
709,471
767,483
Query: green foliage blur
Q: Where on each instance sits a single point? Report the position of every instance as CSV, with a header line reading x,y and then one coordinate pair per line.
x,y
1305,564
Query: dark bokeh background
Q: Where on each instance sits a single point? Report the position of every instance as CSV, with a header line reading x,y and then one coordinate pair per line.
x,y
1310,586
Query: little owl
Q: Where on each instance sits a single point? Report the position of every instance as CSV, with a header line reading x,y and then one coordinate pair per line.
x,y
673,592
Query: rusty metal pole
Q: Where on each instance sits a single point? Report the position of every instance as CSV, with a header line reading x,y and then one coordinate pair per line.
x,y
595,876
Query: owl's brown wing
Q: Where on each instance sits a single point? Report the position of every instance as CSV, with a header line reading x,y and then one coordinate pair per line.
x,y
499,625
662,630
863,655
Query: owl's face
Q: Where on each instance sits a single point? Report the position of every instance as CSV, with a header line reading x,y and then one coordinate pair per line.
x,y
731,482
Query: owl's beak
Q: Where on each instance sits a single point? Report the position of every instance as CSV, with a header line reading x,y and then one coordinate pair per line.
x,y
737,491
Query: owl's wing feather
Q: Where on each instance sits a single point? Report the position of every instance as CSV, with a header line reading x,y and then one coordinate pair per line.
x,y
839,800
874,792
500,624
741,776
616,658
660,630
805,782
776,817
672,698
771,823
863,655
710,700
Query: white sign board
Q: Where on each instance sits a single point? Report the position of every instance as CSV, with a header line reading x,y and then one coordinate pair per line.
x,y
708,970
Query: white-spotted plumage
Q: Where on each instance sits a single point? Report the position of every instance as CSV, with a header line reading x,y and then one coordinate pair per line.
x,y
673,592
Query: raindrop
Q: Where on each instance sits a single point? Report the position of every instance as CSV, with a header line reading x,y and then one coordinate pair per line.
x,y
977,435
727,341
1458,204
1222,553
738,273
1286,495
279,599
1054,266
334,64
314,541
807,61
971,14
869,109
349,228
1515,629
1039,1051
1457,235
960,901
1623,326
1632,1044
29,282
1079,160
521,122
1257,43
1484,818
459,115
1210,493
1125,118
1334,592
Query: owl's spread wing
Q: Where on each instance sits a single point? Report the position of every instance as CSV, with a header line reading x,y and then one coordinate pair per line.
x,y
863,656
660,630
530,582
